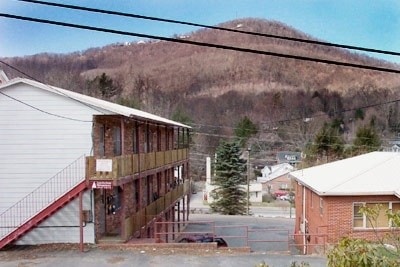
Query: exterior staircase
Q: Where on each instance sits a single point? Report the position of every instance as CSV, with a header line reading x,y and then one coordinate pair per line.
x,y
42,202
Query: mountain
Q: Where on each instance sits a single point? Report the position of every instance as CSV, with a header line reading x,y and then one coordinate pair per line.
x,y
215,88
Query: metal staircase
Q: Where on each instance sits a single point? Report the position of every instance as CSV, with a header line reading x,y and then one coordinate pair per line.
x,y
42,202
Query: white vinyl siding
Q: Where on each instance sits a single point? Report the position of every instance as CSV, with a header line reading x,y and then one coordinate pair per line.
x,y
41,133
34,144
62,227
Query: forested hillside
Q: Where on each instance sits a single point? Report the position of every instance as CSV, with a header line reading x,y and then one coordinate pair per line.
x,y
214,89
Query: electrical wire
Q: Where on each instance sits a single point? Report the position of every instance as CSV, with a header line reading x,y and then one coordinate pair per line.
x,y
41,110
203,44
210,45
202,125
50,87
131,15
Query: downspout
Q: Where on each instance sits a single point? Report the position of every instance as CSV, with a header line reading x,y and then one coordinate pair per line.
x,y
304,222
122,215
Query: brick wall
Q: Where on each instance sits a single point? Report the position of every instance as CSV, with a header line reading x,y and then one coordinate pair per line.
x,y
341,217
335,219
136,192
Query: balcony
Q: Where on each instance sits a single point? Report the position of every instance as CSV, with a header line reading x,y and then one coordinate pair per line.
x,y
150,213
128,165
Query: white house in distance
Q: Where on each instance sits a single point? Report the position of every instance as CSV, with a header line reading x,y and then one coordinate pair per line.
x,y
275,179
255,188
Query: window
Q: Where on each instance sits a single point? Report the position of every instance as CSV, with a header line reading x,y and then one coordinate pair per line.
x,y
380,220
134,140
158,139
358,218
101,140
395,208
321,206
312,199
167,139
117,140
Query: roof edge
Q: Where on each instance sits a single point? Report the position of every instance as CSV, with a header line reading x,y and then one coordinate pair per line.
x,y
96,102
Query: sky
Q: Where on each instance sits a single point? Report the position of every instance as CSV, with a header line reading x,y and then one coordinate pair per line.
x,y
366,23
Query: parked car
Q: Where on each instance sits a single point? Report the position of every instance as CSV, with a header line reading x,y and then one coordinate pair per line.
x,y
285,197
204,238
280,193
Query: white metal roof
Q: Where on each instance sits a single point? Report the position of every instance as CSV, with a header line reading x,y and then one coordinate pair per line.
x,y
375,173
275,171
112,108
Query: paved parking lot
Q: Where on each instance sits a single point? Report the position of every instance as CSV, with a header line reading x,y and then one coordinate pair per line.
x,y
259,233
270,253
95,257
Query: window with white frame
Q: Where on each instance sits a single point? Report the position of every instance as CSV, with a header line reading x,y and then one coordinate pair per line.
x,y
358,218
380,218
394,208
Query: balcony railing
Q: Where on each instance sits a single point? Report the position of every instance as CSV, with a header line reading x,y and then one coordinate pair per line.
x,y
144,216
131,164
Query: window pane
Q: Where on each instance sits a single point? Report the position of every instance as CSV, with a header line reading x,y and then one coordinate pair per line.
x,y
358,217
381,219
395,210
117,141
395,207
101,140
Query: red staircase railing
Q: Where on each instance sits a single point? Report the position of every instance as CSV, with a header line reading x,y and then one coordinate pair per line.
x,y
42,202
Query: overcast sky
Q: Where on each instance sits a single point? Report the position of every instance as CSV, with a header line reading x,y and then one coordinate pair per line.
x,y
366,23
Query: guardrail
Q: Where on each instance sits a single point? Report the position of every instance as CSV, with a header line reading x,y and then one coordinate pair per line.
x,y
146,215
126,165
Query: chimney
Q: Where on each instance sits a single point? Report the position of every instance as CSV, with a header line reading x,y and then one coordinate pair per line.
x,y
208,170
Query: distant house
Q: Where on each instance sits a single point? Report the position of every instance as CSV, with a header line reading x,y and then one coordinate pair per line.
x,y
255,188
329,196
276,178
293,158
3,77
76,169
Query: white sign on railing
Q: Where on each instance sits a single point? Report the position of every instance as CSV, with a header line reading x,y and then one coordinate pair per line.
x,y
103,165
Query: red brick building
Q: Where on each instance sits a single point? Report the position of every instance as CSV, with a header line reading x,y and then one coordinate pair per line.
x,y
329,196
134,175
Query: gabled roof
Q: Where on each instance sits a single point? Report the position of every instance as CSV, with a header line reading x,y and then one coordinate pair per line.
x,y
375,173
112,108
276,171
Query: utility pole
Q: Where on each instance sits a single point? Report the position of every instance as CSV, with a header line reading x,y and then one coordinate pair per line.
x,y
248,181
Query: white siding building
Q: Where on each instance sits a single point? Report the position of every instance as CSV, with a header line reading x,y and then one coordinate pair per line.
x,y
42,132
45,134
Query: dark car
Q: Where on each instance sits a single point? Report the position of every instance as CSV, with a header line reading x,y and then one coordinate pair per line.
x,y
204,238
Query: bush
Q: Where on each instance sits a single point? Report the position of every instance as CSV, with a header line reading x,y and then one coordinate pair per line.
x,y
360,253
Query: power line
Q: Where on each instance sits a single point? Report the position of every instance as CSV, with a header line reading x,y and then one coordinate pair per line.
x,y
130,15
50,87
41,110
182,41
198,125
